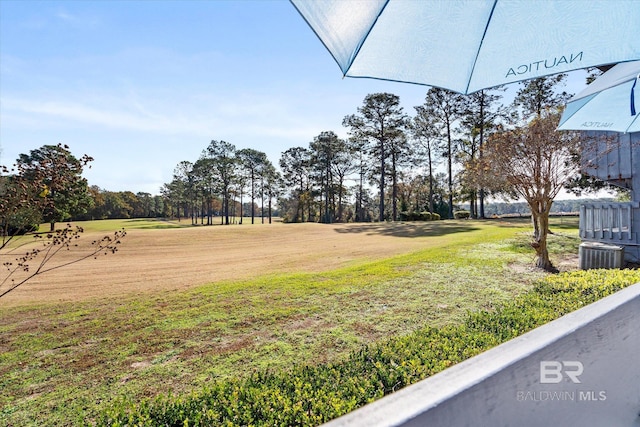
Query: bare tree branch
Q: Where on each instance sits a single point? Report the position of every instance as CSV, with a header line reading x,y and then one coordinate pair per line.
x,y
38,261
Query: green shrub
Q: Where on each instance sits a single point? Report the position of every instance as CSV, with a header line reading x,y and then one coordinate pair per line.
x,y
415,216
435,216
310,395
461,215
424,216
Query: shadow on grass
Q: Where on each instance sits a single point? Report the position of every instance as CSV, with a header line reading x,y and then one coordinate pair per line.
x,y
508,222
555,222
154,223
409,229
563,222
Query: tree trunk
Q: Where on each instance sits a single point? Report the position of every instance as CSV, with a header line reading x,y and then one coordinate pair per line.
x,y
541,221
473,212
300,207
394,190
475,205
382,159
481,142
340,196
450,170
359,210
430,183
309,202
253,196
226,209
327,219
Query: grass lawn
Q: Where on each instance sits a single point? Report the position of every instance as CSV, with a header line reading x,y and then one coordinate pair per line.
x,y
304,294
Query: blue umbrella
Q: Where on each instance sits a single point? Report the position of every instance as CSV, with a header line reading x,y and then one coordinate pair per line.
x,y
470,45
609,103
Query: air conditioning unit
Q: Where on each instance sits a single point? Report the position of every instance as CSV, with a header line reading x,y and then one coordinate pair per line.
x,y
600,255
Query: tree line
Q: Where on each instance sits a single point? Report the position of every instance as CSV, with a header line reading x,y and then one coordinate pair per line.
x,y
514,151
390,165
225,182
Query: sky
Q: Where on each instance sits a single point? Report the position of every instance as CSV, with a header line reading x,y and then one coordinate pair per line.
x,y
143,85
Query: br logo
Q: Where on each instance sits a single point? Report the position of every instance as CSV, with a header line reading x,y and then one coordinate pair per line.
x,y
553,371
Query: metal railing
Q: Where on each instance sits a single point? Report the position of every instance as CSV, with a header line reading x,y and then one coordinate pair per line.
x,y
608,222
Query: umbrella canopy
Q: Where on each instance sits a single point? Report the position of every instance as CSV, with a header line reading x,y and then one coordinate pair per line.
x,y
469,45
610,103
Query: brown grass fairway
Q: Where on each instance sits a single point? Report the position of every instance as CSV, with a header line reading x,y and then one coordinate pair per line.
x,y
151,260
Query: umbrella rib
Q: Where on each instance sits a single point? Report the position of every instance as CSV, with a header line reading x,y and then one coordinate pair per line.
x,y
475,61
633,101
635,118
344,71
318,36
364,37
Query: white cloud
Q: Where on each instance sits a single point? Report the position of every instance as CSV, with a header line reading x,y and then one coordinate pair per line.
x,y
77,21
79,114
66,16
246,116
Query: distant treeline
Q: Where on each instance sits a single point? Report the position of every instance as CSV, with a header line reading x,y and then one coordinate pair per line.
x,y
559,206
126,204
106,204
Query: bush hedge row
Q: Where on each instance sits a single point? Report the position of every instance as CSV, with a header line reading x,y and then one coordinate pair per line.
x,y
310,395
419,216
